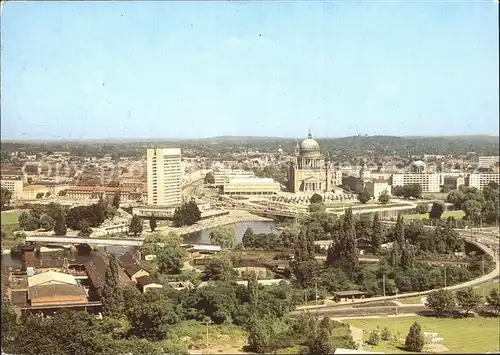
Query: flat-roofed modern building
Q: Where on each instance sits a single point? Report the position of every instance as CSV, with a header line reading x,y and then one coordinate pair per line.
x,y
13,183
488,161
223,176
481,180
251,186
164,176
429,182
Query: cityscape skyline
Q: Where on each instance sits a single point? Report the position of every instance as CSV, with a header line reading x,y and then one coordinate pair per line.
x,y
197,70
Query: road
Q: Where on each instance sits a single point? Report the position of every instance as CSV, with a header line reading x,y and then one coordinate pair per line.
x,y
363,312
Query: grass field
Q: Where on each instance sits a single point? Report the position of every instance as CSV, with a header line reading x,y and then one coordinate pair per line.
x,y
466,335
9,225
487,288
410,300
221,338
9,218
446,214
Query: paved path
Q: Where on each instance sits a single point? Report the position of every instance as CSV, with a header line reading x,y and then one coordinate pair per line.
x,y
492,275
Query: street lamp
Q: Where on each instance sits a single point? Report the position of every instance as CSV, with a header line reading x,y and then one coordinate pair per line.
x,y
207,321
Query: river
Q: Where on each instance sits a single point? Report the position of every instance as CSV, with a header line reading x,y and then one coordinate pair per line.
x,y
198,237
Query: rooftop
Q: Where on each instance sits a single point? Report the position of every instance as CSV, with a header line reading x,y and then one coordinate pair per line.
x,y
51,277
60,290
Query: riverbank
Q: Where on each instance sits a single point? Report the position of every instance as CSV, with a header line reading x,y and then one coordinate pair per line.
x,y
233,217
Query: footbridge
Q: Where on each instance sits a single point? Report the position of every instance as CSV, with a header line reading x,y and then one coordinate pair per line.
x,y
135,242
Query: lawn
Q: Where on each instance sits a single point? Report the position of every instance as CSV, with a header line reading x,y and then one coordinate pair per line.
x,y
9,218
9,226
487,288
411,300
466,335
446,214
221,338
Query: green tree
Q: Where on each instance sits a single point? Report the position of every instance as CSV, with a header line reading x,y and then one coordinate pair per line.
x,y
116,200
209,178
384,197
136,226
84,229
248,238
467,299
422,208
317,207
112,293
472,210
441,301
220,267
5,196
186,214
363,197
63,192
10,325
377,235
47,222
322,342
170,257
415,339
150,319
60,225
437,210
315,198
223,236
152,223
39,195
493,300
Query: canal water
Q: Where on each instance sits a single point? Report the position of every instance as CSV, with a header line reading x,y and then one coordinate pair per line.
x,y
9,260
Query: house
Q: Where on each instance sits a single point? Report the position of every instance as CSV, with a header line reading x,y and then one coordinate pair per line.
x,y
96,271
55,288
132,267
181,285
145,283
135,271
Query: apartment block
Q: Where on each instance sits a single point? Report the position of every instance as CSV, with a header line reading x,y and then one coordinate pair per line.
x,y
488,161
481,180
13,183
223,176
429,182
164,170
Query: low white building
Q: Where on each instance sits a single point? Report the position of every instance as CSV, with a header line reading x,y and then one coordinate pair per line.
x,y
223,176
251,186
481,180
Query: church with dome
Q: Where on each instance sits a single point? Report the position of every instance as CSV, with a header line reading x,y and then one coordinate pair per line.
x,y
309,170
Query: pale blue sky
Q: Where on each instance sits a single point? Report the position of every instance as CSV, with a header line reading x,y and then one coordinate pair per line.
x,y
200,69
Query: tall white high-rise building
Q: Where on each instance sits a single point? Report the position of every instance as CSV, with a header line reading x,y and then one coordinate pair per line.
x,y
164,176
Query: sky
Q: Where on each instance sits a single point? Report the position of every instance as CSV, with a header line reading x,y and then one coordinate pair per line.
x,y
96,70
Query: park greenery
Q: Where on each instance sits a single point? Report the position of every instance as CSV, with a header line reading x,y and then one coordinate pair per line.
x,y
187,214
5,197
479,206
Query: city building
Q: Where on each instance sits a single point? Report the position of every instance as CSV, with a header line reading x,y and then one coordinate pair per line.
x,y
223,176
366,182
13,183
481,180
309,171
164,170
488,161
251,186
452,182
428,182
88,193
55,288
30,192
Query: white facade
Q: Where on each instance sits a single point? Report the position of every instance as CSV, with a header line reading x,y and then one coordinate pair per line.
x,y
482,179
223,176
376,188
252,186
164,176
488,161
428,182
14,184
